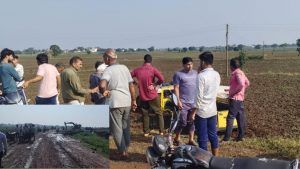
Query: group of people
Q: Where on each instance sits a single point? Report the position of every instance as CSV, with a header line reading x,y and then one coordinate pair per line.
x,y
54,79
113,84
196,93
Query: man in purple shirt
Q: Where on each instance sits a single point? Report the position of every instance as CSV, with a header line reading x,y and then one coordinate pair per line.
x,y
184,82
146,75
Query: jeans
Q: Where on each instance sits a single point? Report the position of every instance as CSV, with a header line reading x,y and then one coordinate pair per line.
x,y
236,110
206,128
12,98
120,127
49,100
22,94
154,105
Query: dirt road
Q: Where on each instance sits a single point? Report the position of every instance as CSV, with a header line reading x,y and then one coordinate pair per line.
x,y
52,150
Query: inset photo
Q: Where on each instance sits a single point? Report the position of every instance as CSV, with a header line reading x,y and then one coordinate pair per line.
x,y
54,136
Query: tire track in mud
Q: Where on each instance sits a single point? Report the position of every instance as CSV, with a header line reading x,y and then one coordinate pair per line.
x,y
16,156
33,148
75,154
74,151
51,150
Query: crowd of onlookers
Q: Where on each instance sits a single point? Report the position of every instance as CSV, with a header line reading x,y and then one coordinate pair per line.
x,y
113,84
53,80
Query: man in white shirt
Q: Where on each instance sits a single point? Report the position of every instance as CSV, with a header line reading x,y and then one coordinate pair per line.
x,y
20,70
117,84
205,109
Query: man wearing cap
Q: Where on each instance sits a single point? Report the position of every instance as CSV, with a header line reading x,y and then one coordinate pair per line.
x,y
8,77
3,147
49,79
72,91
117,81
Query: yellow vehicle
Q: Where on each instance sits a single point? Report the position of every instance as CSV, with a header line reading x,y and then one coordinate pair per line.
x,y
166,100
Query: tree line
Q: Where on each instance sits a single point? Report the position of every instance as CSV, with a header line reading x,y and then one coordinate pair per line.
x,y
55,50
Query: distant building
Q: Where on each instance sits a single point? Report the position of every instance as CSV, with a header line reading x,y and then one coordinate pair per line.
x,y
93,50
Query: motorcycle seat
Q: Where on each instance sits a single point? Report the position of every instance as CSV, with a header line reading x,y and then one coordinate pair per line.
x,y
248,163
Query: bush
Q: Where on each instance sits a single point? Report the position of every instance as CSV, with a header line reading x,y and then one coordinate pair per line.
x,y
242,57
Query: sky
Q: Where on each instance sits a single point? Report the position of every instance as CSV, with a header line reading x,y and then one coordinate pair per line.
x,y
87,116
144,23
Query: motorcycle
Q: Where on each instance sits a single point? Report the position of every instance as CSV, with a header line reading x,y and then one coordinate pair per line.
x,y
163,155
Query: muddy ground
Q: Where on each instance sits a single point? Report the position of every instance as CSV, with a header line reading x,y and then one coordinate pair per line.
x,y
271,104
52,150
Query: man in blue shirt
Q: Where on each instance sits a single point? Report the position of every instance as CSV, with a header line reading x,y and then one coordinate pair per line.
x,y
8,77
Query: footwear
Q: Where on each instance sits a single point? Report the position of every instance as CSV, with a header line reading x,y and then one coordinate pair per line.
x,y
120,156
224,141
192,143
146,134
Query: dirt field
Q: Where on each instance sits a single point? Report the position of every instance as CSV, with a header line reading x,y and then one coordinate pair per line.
x,y
51,150
272,101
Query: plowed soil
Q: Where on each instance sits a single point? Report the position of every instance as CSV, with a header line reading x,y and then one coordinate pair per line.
x,y
271,105
51,150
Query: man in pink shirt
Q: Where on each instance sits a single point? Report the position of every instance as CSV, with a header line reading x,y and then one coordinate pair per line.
x,y
146,75
238,84
49,79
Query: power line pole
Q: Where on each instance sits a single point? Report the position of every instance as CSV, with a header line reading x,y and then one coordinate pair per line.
x,y
263,49
227,71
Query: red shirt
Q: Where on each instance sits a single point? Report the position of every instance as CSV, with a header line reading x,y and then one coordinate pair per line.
x,y
146,75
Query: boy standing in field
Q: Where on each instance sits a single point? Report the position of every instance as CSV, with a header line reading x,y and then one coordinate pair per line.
x,y
238,84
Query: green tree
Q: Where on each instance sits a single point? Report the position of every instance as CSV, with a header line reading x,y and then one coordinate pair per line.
x,y
240,47
192,48
88,51
55,49
184,49
257,47
298,46
30,51
201,48
151,49
242,58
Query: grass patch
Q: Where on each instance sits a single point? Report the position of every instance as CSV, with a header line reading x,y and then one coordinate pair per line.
x,y
284,148
94,142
